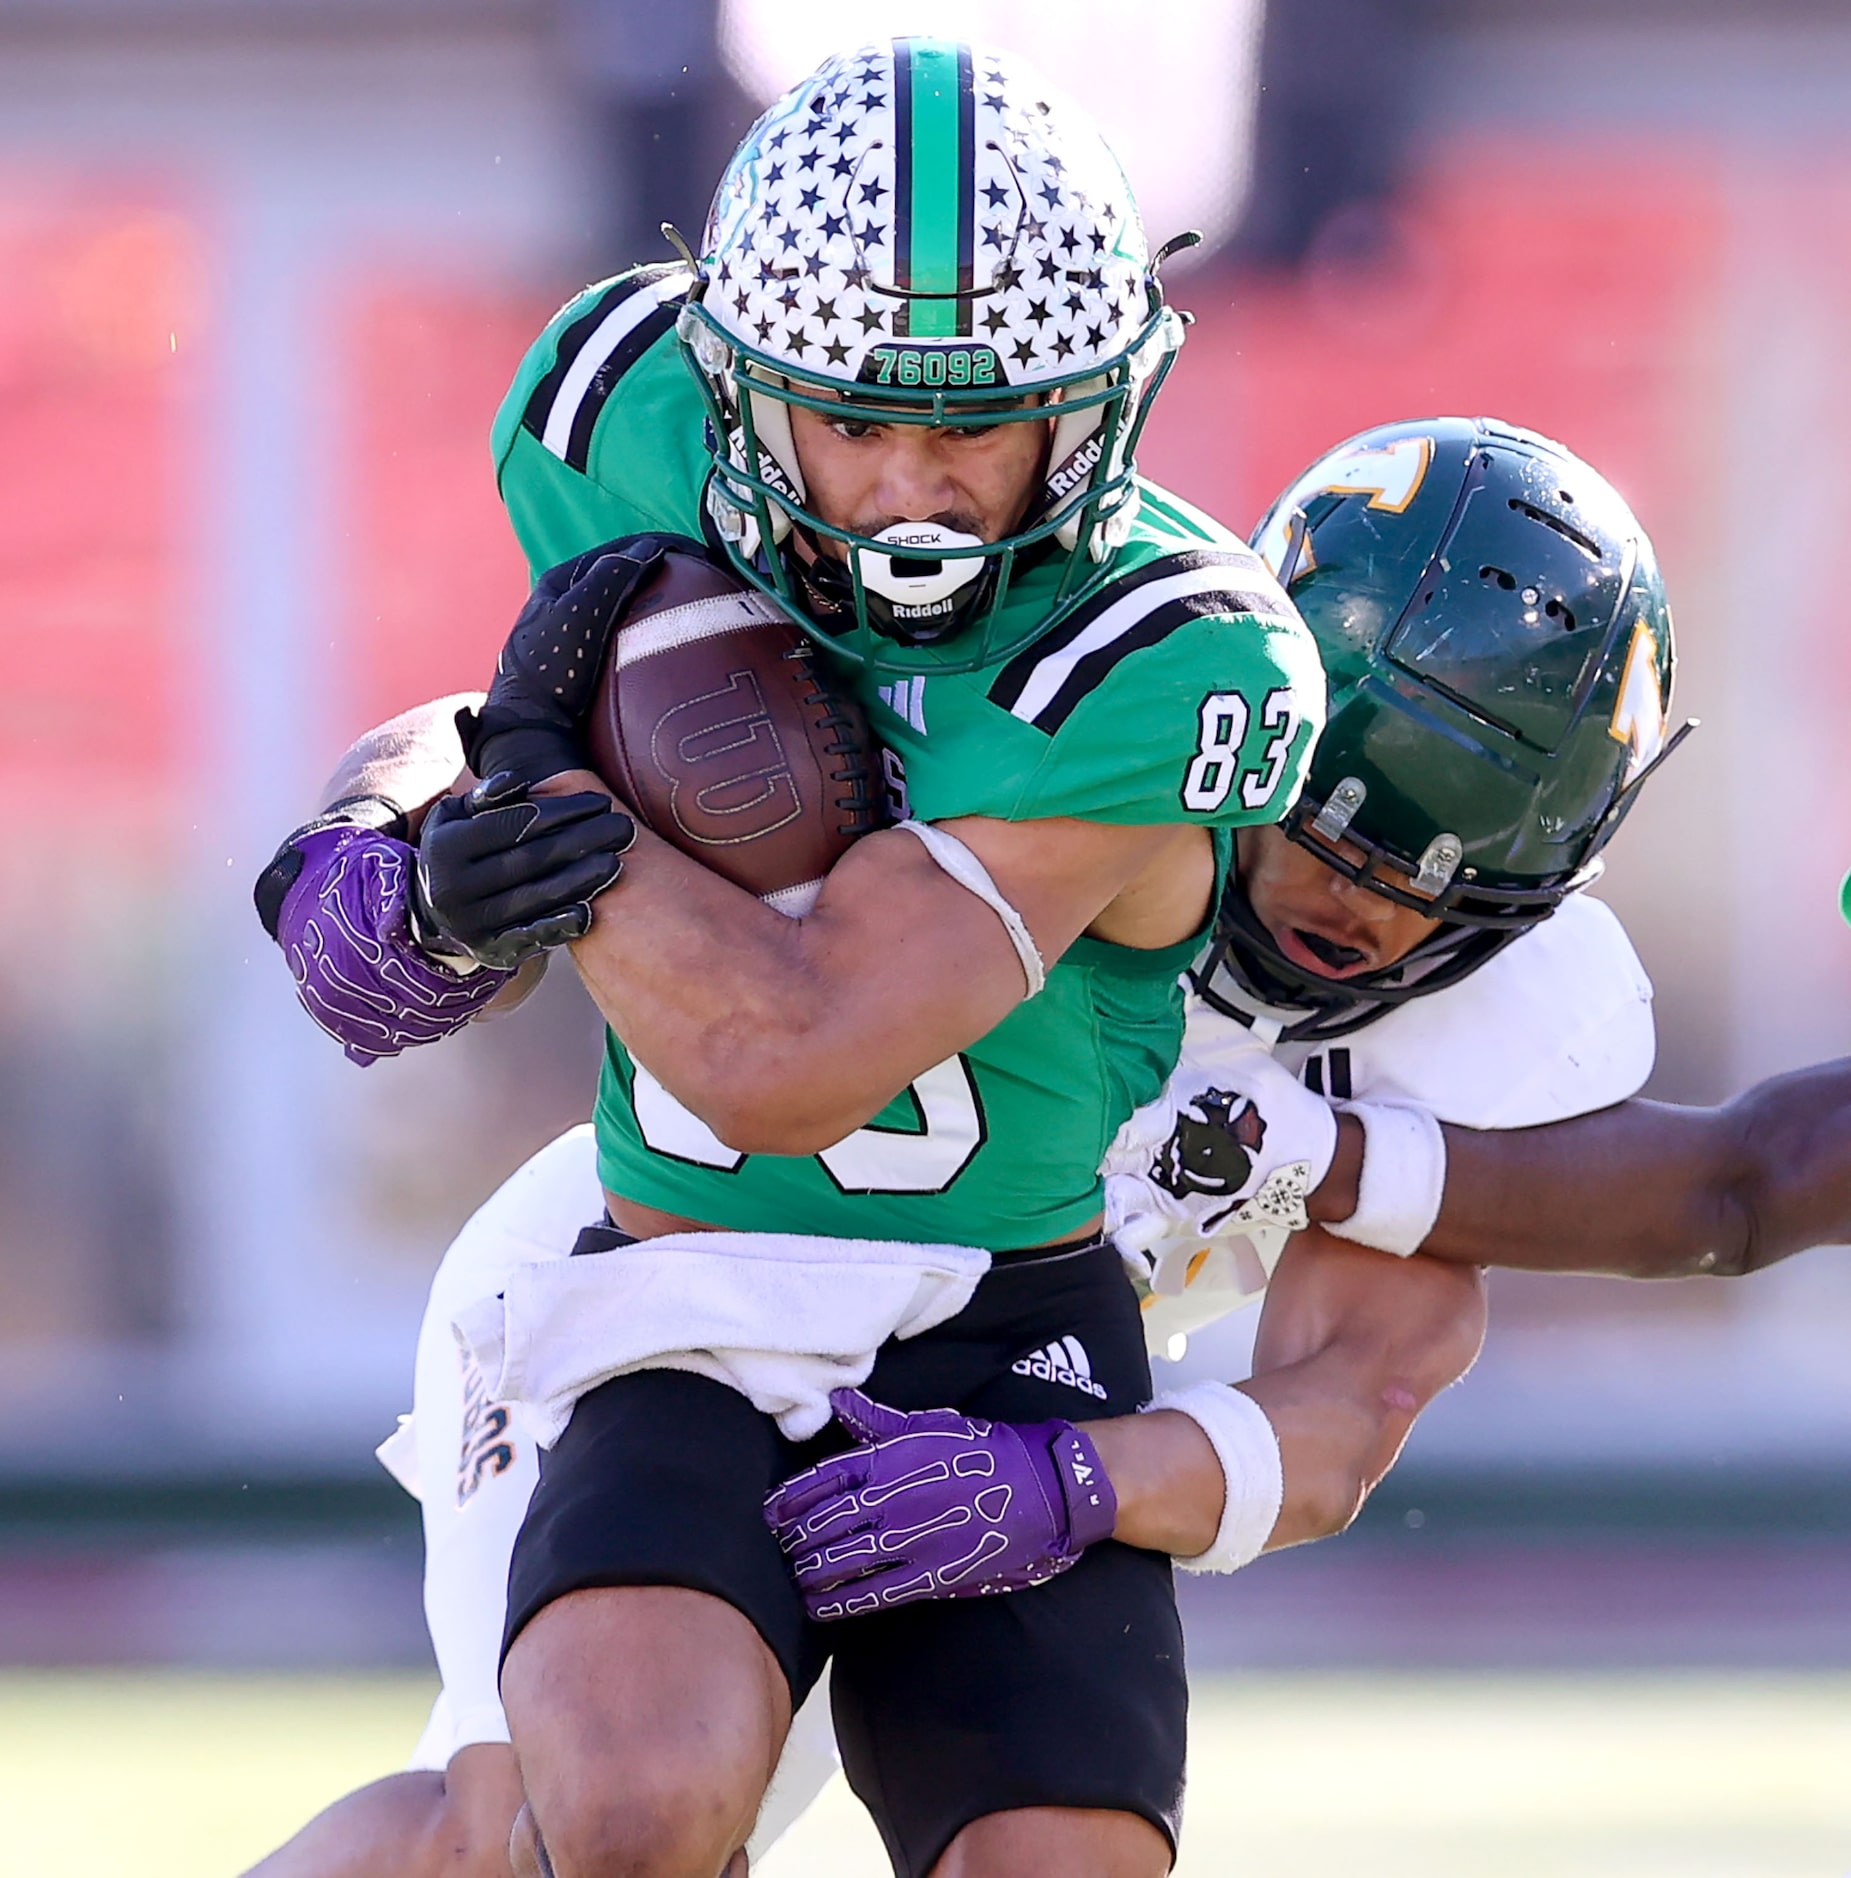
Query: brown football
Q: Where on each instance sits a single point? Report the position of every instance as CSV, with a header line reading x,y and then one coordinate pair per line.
x,y
714,725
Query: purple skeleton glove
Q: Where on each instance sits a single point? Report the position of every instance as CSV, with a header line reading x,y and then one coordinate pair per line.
x,y
938,1505
344,926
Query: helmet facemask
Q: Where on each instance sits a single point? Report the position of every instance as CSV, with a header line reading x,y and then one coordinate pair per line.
x,y
1245,961
877,597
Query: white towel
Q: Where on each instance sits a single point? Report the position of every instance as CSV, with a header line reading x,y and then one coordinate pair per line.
x,y
780,1317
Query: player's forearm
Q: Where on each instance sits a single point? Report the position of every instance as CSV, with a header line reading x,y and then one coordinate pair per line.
x,y
708,988
1352,1346
1336,1440
1168,1480
1636,1191
1333,1447
1649,1190
786,1035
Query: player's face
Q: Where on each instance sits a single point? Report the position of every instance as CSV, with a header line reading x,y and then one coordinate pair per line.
x,y
1322,922
865,477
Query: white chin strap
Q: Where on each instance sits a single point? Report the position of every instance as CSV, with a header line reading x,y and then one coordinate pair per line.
x,y
771,419
914,577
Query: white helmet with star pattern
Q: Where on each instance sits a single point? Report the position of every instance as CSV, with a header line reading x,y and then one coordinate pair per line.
x,y
925,231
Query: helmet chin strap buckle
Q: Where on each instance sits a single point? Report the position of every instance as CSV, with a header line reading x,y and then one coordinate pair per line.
x,y
915,571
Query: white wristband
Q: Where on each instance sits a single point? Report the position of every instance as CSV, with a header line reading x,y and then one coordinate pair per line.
x,y
1402,1181
1254,1478
970,873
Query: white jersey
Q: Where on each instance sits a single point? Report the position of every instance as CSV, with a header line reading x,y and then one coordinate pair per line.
x,y
1559,1023
459,1454
1556,1024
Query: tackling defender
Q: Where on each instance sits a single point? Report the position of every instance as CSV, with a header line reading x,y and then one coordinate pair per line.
x,y
1362,944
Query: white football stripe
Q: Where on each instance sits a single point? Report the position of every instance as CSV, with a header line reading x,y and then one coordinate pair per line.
x,y
696,619
1119,618
793,902
616,326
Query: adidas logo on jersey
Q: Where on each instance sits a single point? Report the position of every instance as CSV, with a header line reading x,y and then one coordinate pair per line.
x,y
1064,1361
907,699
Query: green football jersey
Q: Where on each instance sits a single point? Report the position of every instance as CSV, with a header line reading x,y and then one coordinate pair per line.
x,y
1183,689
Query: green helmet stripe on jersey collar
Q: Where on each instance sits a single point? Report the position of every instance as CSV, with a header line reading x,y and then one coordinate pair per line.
x,y
933,186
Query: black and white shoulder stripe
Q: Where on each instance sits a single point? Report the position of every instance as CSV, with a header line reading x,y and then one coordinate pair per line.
x,y
595,351
1044,684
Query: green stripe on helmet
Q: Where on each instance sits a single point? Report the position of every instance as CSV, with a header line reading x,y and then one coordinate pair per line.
x,y
933,184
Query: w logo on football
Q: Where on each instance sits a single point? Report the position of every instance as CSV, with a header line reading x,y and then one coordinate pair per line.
x,y
728,777
1211,1149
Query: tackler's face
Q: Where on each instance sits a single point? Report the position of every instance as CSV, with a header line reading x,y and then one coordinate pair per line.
x,y
869,478
1321,921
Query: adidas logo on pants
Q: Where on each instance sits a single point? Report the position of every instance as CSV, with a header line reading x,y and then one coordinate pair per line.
x,y
1063,1361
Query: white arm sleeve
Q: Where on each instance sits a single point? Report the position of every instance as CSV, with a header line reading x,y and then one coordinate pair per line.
x,y
1251,1470
1403,1178
970,873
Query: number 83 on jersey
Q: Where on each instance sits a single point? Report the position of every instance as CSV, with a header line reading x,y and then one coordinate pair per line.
x,y
1215,767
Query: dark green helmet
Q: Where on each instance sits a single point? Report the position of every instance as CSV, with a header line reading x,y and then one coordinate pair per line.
x,y
1499,653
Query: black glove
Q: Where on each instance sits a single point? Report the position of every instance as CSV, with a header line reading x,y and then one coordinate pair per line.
x,y
274,883
547,675
503,874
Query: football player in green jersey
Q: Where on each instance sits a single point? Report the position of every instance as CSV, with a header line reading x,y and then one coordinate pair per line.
x,y
924,332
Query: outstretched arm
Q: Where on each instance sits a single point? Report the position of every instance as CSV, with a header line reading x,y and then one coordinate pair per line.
x,y
1639,1190
1651,1190
1352,1346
